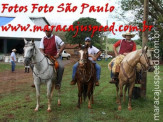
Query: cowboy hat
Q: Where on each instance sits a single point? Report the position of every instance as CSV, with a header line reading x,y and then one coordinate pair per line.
x,y
128,34
13,50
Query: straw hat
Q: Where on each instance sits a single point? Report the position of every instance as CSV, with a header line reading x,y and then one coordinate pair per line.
x,y
128,34
13,50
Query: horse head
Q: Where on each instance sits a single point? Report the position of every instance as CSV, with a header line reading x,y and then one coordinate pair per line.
x,y
83,55
29,49
145,59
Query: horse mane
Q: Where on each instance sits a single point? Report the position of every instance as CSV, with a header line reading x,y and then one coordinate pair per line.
x,y
132,55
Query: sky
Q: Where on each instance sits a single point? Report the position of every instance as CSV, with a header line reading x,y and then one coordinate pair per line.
x,y
67,18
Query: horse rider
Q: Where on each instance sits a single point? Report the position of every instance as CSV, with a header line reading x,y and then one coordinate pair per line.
x,y
49,45
93,54
125,46
13,60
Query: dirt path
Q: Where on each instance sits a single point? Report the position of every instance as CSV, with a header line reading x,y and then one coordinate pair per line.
x,y
12,81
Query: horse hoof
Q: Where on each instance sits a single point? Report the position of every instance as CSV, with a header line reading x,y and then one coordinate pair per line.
x,y
49,110
129,108
35,110
119,108
89,107
59,102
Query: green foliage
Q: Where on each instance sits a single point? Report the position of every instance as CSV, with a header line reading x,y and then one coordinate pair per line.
x,y
155,18
79,39
61,34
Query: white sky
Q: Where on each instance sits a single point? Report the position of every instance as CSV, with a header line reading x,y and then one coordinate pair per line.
x,y
68,18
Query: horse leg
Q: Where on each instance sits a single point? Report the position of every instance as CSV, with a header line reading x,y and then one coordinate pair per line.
x,y
120,95
79,95
124,97
92,99
90,94
117,90
59,91
59,100
52,90
49,88
81,100
37,96
130,96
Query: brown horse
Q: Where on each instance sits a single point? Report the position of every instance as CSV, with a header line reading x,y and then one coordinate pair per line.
x,y
85,77
127,74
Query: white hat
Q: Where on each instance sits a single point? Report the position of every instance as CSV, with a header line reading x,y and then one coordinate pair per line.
x,y
13,50
87,38
128,34
47,28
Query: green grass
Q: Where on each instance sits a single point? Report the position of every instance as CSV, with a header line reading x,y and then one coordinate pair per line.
x,y
19,105
7,66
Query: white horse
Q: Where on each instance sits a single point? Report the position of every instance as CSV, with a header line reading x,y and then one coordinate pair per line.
x,y
43,71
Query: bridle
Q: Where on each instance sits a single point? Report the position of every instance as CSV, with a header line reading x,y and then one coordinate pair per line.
x,y
146,60
30,58
134,68
85,61
33,50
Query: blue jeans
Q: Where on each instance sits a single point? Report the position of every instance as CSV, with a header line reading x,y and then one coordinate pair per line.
x,y
60,71
112,74
12,66
98,70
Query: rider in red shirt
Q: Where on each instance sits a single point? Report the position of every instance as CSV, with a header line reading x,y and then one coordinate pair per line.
x,y
126,46
49,45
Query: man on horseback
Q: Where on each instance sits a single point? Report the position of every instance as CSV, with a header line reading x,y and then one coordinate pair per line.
x,y
93,53
125,46
49,46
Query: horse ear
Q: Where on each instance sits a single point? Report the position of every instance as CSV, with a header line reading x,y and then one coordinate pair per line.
x,y
87,46
25,41
80,46
146,49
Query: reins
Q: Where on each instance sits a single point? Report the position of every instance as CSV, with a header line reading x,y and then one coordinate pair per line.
x,y
123,70
124,73
85,61
38,75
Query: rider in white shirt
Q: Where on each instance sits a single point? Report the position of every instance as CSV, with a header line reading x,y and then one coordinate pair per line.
x,y
94,53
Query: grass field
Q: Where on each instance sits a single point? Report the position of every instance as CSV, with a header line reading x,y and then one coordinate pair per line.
x,y
7,66
19,105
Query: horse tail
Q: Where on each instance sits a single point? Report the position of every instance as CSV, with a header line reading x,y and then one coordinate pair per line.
x,y
85,87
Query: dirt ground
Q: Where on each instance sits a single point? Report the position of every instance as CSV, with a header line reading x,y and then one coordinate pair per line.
x,y
12,81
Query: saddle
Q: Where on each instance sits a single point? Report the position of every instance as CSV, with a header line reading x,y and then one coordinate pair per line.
x,y
54,61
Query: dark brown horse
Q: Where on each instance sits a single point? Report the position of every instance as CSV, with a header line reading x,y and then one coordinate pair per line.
x,y
85,77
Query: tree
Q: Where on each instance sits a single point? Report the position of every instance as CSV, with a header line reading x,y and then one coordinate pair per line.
x,y
155,17
61,34
79,39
